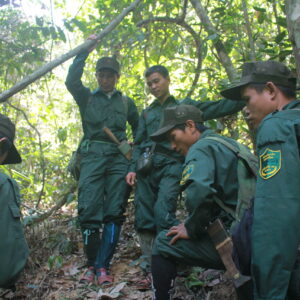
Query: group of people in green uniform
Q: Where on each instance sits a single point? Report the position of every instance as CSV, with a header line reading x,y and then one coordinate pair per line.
x,y
210,180
182,156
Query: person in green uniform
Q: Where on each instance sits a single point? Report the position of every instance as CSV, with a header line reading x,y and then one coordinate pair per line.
x,y
157,191
13,246
209,177
269,89
102,188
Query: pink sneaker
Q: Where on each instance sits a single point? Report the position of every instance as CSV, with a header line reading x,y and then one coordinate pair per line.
x,y
88,276
103,278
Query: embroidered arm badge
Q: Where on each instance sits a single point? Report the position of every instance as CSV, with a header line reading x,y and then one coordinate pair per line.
x,y
269,163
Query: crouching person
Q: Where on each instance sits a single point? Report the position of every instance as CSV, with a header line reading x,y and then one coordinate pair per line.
x,y
13,246
211,184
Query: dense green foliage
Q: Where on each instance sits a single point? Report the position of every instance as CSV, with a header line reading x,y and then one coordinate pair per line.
x,y
171,34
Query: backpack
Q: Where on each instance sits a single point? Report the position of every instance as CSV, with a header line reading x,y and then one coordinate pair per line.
x,y
74,163
243,214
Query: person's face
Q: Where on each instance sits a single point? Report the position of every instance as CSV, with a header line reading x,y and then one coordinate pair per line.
x,y
182,140
158,86
258,105
107,79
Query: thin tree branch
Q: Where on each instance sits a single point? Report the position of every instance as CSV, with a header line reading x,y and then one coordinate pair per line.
x,y
249,31
224,57
293,21
274,4
184,9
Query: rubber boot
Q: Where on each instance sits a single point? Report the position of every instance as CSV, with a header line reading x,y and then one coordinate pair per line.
x,y
245,292
110,238
91,242
163,276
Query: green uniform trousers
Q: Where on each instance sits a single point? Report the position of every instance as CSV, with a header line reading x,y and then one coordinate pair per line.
x,y
197,252
102,186
200,252
156,197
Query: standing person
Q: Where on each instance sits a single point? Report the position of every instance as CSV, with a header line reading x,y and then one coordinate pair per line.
x,y
269,89
158,189
212,183
102,188
13,246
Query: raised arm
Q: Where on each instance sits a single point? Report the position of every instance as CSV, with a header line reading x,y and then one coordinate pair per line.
x,y
216,109
73,82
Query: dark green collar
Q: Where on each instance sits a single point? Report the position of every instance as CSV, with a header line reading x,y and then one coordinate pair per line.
x,y
206,133
170,99
98,90
292,104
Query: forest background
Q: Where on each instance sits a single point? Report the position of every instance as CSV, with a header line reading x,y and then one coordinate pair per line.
x,y
202,43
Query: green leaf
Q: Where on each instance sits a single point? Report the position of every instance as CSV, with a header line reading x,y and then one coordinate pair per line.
x,y
282,22
68,25
61,34
39,21
53,32
79,24
259,9
284,53
45,31
261,18
62,134
280,37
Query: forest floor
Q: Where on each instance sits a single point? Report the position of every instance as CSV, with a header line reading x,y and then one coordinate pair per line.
x,y
57,261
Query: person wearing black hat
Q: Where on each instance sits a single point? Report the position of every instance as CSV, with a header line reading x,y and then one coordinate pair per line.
x,y
269,89
102,188
211,182
13,246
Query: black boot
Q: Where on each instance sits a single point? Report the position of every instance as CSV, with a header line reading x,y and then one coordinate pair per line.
x,y
163,276
91,242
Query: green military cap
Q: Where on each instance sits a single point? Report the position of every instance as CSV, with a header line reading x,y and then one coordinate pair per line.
x,y
176,115
108,63
7,130
261,72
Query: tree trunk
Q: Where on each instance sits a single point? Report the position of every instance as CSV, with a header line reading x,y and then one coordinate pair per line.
x,y
293,21
209,27
249,31
56,62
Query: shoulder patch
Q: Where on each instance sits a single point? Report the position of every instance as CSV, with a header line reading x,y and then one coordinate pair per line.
x,y
188,170
269,163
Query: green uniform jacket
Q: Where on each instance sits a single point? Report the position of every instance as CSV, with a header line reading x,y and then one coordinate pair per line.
x,y
210,171
151,117
97,109
13,246
276,223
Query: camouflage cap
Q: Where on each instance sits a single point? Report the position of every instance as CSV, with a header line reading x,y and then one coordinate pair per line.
x,y
108,63
7,129
261,72
176,115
